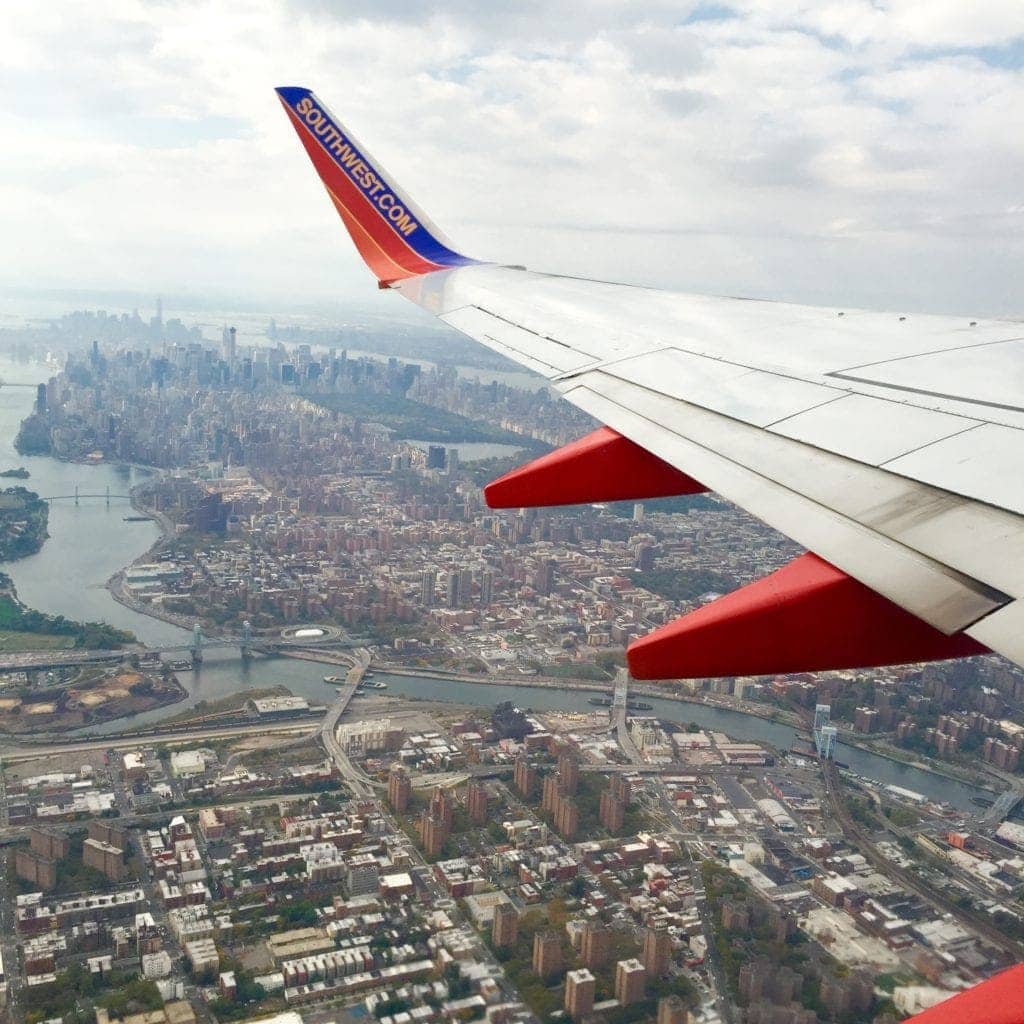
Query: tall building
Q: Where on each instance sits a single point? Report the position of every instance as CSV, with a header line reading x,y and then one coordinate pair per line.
x,y
399,789
630,981
505,929
547,953
569,773
45,843
550,793
33,867
40,398
433,833
657,951
524,777
103,857
453,588
428,583
363,875
672,1010
476,803
487,589
567,817
621,788
611,812
442,806
597,945
545,579
435,456
579,993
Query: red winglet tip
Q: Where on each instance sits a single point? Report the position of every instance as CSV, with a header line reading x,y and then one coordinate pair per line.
x,y
602,466
999,1000
808,616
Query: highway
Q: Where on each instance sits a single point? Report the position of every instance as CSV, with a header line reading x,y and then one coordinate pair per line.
x,y
357,780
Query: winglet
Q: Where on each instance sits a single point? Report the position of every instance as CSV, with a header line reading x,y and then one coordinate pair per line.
x,y
396,239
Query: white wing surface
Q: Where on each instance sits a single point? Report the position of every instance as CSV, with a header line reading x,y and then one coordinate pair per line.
x,y
891,446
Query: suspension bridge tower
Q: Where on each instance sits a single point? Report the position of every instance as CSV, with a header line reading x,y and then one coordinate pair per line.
x,y
246,642
196,649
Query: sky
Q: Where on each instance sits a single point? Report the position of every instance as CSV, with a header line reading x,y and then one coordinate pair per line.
x,y
841,152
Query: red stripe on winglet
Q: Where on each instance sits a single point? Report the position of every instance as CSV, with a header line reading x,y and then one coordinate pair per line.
x,y
393,250
603,466
808,616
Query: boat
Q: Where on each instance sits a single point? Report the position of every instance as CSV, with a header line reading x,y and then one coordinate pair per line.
x,y
982,801
135,519
334,679
377,686
600,702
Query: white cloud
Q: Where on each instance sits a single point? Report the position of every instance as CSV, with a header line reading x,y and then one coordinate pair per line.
x,y
843,151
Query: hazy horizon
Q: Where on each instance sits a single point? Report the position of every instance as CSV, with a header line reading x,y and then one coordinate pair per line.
x,y
846,153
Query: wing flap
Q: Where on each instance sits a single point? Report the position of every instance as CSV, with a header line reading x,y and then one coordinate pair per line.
x,y
753,396
946,599
986,462
870,430
549,355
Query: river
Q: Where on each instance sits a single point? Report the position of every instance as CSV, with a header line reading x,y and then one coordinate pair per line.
x,y
88,543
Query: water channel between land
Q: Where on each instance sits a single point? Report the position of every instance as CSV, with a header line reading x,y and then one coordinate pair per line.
x,y
90,542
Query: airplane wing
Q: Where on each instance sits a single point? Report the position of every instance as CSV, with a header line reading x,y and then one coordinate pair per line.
x,y
890,446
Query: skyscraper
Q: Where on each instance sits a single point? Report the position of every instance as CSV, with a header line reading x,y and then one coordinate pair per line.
x,y
428,582
547,953
630,979
487,589
453,588
476,803
399,789
579,993
597,945
657,950
505,928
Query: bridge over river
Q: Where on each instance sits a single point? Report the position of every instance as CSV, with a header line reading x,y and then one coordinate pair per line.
x,y
248,644
79,494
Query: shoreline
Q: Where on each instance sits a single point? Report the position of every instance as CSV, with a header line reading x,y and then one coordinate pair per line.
x,y
114,586
549,683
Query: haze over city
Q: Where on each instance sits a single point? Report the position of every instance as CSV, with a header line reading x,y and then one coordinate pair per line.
x,y
406,618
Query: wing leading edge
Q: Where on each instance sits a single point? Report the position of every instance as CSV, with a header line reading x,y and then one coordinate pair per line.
x,y
910,497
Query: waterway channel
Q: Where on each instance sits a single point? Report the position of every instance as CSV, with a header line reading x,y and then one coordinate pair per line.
x,y
89,542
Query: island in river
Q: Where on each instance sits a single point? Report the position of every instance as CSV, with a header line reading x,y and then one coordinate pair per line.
x,y
21,473
25,629
23,519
